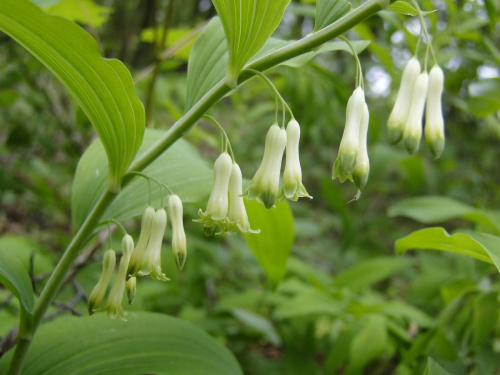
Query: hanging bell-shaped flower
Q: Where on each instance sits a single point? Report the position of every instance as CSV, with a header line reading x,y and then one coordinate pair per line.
x,y
349,145
178,235
434,122
265,185
131,287
413,128
137,258
399,115
292,176
238,218
152,256
97,295
362,168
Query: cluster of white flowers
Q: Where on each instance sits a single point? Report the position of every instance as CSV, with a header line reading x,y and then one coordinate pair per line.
x,y
417,91
352,160
141,260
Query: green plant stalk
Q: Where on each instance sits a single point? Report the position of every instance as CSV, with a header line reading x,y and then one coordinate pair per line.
x,y
85,232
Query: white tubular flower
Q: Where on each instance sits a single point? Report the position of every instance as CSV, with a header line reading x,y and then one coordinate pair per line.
x,y
413,127
114,302
138,254
218,204
131,286
399,114
362,168
349,145
238,218
97,294
265,185
292,176
152,256
178,234
434,122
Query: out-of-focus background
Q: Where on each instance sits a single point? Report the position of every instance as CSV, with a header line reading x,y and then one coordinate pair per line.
x,y
348,304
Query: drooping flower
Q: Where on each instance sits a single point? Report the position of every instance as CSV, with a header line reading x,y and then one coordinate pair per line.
x,y
114,302
178,234
413,127
362,168
152,256
97,295
399,115
218,204
349,145
238,218
292,176
131,286
136,260
265,185
434,122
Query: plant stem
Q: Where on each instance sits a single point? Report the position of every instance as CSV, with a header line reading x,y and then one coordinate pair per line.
x,y
85,232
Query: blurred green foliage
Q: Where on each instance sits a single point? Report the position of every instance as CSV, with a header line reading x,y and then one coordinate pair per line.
x,y
347,304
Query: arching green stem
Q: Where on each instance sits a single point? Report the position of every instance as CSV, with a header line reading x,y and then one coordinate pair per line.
x,y
223,132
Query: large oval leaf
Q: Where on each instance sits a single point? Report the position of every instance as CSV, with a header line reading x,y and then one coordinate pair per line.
x,y
180,168
103,88
147,343
248,24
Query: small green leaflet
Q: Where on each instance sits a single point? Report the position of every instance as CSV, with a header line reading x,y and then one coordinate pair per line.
x,y
102,87
247,25
180,168
148,343
329,11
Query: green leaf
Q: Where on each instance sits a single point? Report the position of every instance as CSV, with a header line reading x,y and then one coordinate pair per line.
x,y
329,11
147,343
433,368
485,317
103,88
28,252
247,25
403,7
180,168
369,343
312,302
259,323
482,246
436,209
273,244
483,97
83,11
369,272
15,277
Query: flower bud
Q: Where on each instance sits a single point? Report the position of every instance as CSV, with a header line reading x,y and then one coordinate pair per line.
x,y
413,127
138,253
362,168
292,176
349,145
131,286
114,302
152,257
399,114
434,122
97,294
178,235
218,204
265,185
238,218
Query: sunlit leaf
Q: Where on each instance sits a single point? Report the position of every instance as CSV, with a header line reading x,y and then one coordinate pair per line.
x,y
146,344
103,88
180,168
273,245
83,11
247,25
329,11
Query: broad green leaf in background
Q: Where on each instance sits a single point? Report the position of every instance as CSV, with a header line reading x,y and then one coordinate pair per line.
x,y
482,246
483,97
485,316
103,88
258,323
273,244
85,12
329,11
436,209
28,252
311,302
369,272
433,368
180,168
403,7
147,343
248,24
14,276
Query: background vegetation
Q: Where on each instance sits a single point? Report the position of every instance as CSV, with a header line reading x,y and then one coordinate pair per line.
x,y
347,303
